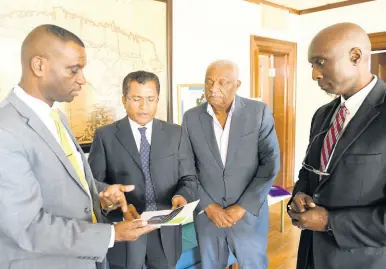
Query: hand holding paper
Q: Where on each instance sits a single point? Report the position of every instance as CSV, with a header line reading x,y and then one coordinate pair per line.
x,y
170,217
131,213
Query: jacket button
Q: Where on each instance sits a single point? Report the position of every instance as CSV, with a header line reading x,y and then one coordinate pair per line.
x,y
317,195
87,210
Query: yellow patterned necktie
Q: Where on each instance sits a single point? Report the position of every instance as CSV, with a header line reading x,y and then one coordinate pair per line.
x,y
66,146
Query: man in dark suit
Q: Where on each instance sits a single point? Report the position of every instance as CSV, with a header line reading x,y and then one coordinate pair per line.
x,y
229,146
339,200
143,151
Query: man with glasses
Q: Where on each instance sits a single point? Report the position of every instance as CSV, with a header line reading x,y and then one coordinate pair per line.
x,y
142,151
339,200
229,145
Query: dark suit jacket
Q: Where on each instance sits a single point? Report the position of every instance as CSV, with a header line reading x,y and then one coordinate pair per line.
x,y
252,163
354,193
114,159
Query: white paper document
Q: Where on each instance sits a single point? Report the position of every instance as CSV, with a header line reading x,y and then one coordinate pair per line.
x,y
170,217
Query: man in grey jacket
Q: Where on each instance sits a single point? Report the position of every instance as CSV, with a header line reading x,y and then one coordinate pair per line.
x,y
229,145
50,202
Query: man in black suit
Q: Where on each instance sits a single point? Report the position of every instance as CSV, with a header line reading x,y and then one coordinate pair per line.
x,y
143,151
339,200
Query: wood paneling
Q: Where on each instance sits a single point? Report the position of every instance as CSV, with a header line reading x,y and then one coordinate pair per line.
x,y
332,6
279,112
378,41
378,65
291,10
284,105
169,33
310,10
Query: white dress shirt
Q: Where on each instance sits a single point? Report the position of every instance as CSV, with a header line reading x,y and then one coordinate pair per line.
x,y
222,135
352,104
137,135
43,111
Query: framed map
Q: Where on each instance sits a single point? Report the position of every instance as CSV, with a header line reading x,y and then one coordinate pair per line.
x,y
189,96
132,35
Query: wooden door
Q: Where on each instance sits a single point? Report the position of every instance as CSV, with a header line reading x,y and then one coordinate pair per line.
x,y
272,79
378,65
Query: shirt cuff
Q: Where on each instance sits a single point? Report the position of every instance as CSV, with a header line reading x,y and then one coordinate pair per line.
x,y
112,238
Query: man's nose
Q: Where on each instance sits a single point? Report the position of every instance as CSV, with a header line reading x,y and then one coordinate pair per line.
x,y
81,79
316,75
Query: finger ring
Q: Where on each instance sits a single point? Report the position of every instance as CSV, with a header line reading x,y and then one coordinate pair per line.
x,y
111,206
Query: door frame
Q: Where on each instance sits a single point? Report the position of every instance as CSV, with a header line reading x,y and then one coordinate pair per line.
x,y
286,110
378,41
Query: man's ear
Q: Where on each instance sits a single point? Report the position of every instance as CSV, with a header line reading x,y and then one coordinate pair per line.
x,y
38,66
355,56
238,83
124,100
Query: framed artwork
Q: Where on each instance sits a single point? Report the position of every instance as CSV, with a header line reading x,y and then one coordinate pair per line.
x,y
117,42
189,96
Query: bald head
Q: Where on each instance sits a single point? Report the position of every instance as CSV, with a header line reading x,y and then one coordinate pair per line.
x,y
41,41
231,66
340,55
342,38
52,62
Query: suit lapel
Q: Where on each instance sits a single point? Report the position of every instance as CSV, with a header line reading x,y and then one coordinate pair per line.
x,y
38,126
207,128
87,174
362,119
158,136
320,133
236,128
125,135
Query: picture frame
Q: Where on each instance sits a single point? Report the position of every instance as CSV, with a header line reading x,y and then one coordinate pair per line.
x,y
189,96
116,43
168,95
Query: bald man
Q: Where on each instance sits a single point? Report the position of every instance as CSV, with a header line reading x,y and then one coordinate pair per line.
x,y
229,145
339,200
51,205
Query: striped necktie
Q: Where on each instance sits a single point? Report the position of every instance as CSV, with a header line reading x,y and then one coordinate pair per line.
x,y
332,136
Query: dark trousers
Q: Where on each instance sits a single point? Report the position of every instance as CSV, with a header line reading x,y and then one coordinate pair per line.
x,y
155,255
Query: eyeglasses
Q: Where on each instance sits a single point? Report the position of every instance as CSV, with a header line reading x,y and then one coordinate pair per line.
x,y
309,167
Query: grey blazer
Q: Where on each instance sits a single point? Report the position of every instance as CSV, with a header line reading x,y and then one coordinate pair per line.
x,y
114,159
252,163
45,212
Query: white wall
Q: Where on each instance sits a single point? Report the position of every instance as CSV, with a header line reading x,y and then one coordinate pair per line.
x,y
309,96
207,30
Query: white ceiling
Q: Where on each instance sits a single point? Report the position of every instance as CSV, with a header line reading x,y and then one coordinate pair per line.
x,y
304,4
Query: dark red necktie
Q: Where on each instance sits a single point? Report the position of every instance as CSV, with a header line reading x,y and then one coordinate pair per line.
x,y
332,136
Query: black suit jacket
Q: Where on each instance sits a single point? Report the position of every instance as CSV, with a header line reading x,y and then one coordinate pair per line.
x,y
354,193
114,159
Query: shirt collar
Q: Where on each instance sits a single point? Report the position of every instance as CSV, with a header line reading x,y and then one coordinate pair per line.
x,y
135,126
38,106
210,110
357,99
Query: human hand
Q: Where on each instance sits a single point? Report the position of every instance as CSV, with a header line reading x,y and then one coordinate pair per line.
x,y
114,197
218,215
